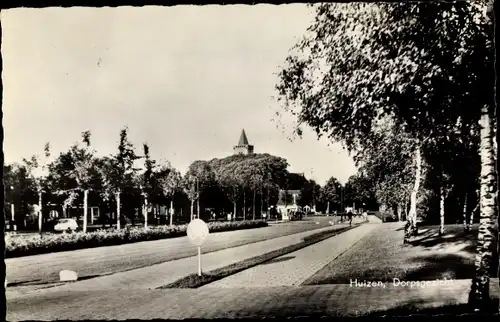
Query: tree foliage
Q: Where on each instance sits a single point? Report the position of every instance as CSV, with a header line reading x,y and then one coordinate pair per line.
x,y
426,67
118,171
169,180
388,161
360,63
360,190
331,192
310,194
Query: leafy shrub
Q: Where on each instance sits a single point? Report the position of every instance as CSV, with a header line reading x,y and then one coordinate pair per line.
x,y
25,245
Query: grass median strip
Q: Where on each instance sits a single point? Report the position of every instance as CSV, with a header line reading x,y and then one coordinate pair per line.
x,y
195,281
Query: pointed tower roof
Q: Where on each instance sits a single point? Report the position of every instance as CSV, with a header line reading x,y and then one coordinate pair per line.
x,y
243,138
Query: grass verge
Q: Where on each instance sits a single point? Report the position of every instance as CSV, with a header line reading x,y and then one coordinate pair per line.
x,y
382,256
194,281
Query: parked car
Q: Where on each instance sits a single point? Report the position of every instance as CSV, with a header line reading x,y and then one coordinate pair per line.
x,y
66,224
391,218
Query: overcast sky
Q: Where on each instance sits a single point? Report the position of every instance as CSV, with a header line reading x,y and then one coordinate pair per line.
x,y
185,79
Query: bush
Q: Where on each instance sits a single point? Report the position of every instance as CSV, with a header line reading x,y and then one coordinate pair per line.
x,y
25,245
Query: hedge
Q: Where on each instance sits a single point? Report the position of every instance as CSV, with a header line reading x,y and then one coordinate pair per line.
x,y
26,245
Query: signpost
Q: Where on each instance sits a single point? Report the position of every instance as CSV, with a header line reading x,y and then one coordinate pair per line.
x,y
197,232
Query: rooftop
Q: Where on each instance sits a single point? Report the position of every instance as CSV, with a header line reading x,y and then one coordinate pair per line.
x,y
243,138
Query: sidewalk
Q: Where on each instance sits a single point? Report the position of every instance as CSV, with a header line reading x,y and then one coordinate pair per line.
x,y
294,268
324,300
154,276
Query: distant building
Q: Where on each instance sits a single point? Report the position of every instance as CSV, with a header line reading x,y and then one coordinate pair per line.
x,y
243,147
288,203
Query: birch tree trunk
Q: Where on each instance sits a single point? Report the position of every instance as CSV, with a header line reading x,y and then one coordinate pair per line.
x,y
261,204
286,203
268,210
233,217
118,211
407,209
198,207
192,209
441,211
465,213
411,226
146,213
40,212
328,207
471,217
85,209
171,211
244,204
253,207
198,199
399,211
484,253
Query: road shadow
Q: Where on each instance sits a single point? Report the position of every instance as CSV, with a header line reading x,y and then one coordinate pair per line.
x,y
424,234
22,283
432,238
412,309
441,266
83,278
459,264
278,260
50,282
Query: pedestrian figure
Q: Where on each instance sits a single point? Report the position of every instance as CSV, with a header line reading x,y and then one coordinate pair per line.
x,y
349,215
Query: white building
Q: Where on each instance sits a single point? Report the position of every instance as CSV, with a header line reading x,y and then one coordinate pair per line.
x,y
291,204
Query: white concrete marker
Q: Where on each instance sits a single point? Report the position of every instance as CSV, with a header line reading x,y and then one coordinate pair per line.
x,y
66,275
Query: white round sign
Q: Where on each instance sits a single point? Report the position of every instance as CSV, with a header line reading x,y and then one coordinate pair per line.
x,y
197,232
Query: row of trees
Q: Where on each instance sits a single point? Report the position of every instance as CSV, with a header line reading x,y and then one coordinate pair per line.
x,y
408,88
449,176
254,181
245,186
79,174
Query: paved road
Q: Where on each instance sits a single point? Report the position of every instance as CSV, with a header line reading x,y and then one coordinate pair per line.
x,y
294,268
93,262
159,275
339,299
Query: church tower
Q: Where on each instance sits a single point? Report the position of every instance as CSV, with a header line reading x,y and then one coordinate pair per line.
x,y
243,147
